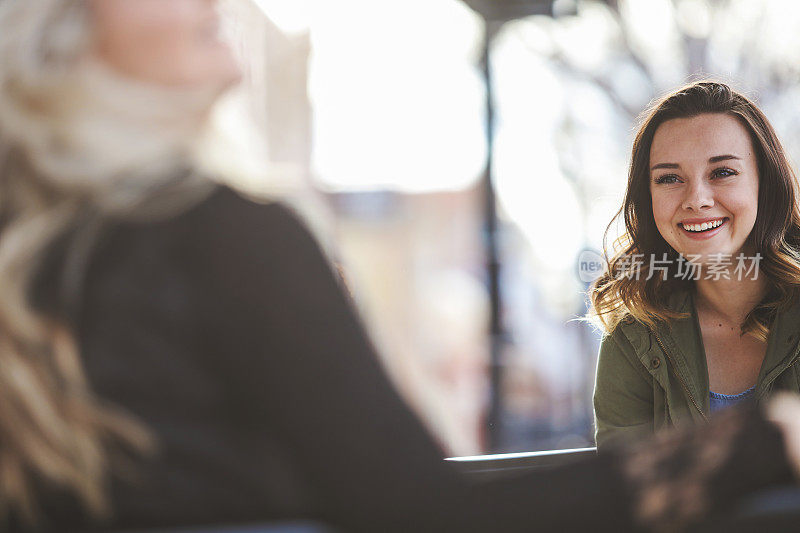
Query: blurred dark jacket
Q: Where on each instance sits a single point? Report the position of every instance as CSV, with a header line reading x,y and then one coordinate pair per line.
x,y
225,330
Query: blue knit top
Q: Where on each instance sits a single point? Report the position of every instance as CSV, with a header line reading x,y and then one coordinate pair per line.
x,y
720,401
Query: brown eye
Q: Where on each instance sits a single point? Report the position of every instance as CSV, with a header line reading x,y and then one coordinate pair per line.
x,y
723,172
666,178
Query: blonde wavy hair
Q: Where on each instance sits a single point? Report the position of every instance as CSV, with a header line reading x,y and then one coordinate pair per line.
x,y
776,234
77,143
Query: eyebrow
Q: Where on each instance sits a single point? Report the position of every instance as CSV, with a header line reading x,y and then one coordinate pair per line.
x,y
727,157
715,159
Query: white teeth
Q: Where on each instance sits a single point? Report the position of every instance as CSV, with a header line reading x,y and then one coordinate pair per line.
x,y
702,227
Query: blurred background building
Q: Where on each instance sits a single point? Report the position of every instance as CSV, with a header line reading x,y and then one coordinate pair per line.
x,y
370,117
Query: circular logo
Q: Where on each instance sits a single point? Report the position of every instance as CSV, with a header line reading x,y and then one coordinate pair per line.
x,y
591,265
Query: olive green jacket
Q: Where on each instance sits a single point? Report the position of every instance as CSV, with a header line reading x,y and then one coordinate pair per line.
x,y
648,380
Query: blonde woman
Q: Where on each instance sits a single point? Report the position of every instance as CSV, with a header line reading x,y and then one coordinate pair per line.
x,y
702,297
172,354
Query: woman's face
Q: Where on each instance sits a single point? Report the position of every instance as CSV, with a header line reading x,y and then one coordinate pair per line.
x,y
164,42
704,185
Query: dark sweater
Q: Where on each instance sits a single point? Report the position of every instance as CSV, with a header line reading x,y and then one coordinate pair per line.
x,y
225,330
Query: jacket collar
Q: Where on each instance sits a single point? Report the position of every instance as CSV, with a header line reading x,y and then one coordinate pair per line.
x,y
684,343
781,344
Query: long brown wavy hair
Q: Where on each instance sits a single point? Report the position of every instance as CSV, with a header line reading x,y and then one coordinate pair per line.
x,y
776,234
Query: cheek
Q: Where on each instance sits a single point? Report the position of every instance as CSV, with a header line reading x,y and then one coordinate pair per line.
x,y
744,207
153,40
663,211
746,197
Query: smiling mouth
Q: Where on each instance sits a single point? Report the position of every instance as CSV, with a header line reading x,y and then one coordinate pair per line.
x,y
705,227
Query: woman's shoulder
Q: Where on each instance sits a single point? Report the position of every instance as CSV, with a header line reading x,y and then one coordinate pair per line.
x,y
231,224
628,340
221,225
626,326
621,333
225,206
634,329
224,197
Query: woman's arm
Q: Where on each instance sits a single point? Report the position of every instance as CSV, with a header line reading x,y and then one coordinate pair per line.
x,y
298,360
623,395
685,476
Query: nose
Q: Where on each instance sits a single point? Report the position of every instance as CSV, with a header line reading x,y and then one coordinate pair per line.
x,y
698,196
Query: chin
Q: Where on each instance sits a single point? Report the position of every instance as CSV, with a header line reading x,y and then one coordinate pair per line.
x,y
232,78
220,86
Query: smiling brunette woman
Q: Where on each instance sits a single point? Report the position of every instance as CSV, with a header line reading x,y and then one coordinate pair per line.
x,y
700,301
